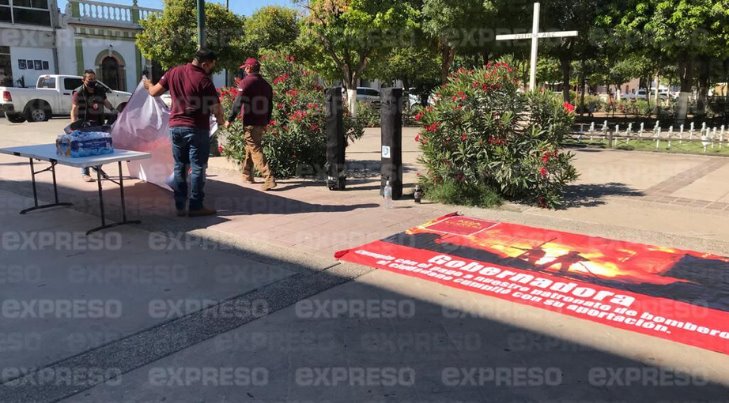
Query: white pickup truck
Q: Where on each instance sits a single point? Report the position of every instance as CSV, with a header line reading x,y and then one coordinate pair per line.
x,y
51,97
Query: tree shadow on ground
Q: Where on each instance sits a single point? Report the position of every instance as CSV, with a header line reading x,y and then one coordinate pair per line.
x,y
371,168
592,195
585,148
358,172
439,338
153,204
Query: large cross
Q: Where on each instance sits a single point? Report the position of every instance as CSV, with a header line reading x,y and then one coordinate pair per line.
x,y
535,36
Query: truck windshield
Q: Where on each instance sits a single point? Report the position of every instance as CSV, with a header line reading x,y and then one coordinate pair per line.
x,y
47,82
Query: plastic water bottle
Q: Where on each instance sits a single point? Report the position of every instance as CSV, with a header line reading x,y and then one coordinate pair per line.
x,y
418,194
387,194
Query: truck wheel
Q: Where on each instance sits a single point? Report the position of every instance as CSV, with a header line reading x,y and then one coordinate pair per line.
x,y
38,112
14,117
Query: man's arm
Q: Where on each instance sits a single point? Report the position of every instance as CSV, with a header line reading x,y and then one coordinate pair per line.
x,y
74,112
74,107
154,90
161,87
109,106
237,108
218,112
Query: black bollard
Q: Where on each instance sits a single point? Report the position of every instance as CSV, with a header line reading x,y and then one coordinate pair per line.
x,y
335,165
391,126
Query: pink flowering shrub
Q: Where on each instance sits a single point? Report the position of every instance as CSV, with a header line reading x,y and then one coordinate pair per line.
x,y
483,141
295,140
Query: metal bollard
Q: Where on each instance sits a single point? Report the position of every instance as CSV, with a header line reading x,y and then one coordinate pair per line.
x,y
336,143
391,129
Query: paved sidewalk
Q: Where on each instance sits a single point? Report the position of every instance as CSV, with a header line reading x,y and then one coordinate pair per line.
x,y
269,257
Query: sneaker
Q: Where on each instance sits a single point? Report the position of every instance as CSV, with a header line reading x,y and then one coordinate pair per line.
x,y
201,212
87,178
269,184
249,178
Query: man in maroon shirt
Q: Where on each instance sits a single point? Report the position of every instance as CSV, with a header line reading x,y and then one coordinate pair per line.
x,y
255,101
194,99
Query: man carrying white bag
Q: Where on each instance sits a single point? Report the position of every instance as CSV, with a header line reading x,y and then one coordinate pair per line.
x,y
144,126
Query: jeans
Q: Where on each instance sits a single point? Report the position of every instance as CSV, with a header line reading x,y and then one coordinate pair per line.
x,y
86,171
190,149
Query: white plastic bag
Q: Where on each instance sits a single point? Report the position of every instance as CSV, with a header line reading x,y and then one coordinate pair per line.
x,y
143,126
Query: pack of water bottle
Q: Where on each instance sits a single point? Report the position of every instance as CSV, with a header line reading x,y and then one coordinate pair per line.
x,y
85,142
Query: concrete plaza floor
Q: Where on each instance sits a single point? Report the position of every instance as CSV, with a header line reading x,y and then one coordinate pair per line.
x,y
238,307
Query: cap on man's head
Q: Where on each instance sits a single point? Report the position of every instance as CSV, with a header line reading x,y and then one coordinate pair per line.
x,y
251,61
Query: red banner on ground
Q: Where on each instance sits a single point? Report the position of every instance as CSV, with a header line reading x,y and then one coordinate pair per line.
x,y
675,294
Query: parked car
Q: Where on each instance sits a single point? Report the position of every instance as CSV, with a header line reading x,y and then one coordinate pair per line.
x,y
662,93
52,96
640,94
412,99
368,94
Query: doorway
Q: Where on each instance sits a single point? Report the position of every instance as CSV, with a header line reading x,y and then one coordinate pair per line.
x,y
110,73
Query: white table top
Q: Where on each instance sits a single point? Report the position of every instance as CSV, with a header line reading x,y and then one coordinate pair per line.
x,y
47,152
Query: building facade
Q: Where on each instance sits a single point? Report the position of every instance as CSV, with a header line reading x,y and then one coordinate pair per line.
x,y
36,38
27,41
100,36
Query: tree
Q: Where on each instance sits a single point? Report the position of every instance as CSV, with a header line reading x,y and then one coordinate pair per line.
x,y
548,70
351,34
570,15
460,26
416,63
417,66
684,32
170,38
272,28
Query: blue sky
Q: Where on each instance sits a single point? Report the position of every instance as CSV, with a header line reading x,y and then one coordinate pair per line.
x,y
244,7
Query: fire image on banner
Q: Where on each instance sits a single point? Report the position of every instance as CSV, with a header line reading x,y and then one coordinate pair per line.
x,y
675,294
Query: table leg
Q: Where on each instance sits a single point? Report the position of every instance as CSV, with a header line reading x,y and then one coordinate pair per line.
x,y
123,205
121,191
33,173
55,186
32,178
101,196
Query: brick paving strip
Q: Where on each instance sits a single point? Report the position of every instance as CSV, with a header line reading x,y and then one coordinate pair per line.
x,y
661,193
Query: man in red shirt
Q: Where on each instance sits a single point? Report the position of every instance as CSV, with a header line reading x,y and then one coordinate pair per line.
x,y
255,101
194,99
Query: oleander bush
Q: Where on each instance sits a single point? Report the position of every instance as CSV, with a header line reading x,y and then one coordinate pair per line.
x,y
483,141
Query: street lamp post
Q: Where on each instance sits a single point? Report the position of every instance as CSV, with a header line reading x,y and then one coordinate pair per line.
x,y
201,23
227,7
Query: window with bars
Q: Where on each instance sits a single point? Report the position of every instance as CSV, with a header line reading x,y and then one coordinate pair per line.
x,y
31,12
5,14
6,69
41,4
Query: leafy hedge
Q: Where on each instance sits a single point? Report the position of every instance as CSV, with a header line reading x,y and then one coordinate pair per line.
x,y
483,140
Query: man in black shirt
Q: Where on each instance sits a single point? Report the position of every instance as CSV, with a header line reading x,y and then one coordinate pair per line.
x,y
87,108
